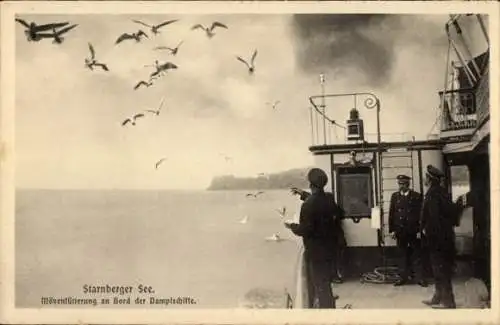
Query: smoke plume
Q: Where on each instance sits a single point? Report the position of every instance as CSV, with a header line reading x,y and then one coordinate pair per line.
x,y
346,43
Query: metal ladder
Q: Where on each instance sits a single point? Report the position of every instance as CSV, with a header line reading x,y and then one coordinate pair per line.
x,y
404,162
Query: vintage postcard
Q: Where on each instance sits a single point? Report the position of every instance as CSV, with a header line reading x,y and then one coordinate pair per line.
x,y
247,162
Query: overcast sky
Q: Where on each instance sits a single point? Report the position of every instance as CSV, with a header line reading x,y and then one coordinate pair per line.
x,y
68,118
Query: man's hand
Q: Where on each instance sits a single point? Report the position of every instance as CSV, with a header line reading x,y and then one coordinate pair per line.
x,y
393,235
296,191
288,223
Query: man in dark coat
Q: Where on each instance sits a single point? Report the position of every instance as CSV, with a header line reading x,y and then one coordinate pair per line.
x,y
337,267
404,225
317,228
437,224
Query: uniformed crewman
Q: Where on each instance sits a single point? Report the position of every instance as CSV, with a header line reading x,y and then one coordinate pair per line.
x,y
404,219
337,268
437,224
317,228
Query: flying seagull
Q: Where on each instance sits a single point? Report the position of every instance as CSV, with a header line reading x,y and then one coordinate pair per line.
x,y
58,39
159,162
282,212
251,66
155,28
244,220
148,83
32,29
156,112
92,62
209,31
226,158
135,36
173,51
274,105
160,68
254,194
132,120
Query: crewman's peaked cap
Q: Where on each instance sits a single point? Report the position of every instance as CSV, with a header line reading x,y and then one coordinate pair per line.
x,y
317,177
434,172
403,179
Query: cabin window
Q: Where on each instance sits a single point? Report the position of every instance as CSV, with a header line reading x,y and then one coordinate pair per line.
x,y
355,191
459,181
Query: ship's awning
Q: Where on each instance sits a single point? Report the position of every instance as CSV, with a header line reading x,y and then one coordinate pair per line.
x,y
466,146
458,147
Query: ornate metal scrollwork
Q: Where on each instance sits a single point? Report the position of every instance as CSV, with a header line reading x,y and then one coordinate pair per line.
x,y
371,101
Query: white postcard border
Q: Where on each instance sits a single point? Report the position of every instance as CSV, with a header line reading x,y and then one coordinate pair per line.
x,y
10,314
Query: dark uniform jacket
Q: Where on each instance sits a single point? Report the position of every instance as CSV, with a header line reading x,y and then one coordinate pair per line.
x,y
436,219
317,225
339,231
404,212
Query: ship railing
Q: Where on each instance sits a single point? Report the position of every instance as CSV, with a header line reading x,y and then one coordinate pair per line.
x,y
458,110
483,98
326,131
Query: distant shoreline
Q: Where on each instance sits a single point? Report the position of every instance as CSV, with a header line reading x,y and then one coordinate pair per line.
x,y
277,181
291,178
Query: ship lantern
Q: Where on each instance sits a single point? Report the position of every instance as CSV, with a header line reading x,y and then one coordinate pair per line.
x,y
355,126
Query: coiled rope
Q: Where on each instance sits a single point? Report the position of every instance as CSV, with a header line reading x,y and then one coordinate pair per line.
x,y
382,275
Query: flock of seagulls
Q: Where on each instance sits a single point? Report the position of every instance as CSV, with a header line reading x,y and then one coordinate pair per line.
x,y
57,30
282,213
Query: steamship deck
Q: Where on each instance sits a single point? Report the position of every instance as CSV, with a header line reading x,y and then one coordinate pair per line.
x,y
385,296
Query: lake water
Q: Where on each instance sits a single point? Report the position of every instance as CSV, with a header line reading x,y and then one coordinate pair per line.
x,y
183,244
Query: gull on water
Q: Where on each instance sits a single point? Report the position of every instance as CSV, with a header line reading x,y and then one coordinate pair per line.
x,y
274,237
254,194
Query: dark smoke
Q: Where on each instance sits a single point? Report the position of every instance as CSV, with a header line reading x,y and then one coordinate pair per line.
x,y
344,43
